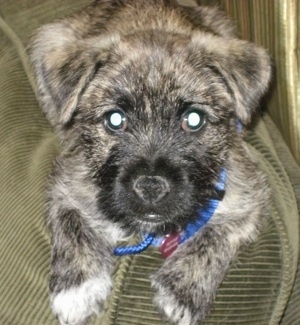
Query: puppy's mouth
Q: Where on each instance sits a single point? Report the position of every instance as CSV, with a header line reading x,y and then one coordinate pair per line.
x,y
155,223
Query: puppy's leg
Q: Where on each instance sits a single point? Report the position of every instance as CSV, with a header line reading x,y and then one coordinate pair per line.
x,y
81,269
187,282
80,276
82,246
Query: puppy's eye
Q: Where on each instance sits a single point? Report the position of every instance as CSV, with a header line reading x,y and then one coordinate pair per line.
x,y
193,120
115,121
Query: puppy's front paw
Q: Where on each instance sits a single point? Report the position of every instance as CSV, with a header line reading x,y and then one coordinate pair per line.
x,y
170,307
77,304
183,294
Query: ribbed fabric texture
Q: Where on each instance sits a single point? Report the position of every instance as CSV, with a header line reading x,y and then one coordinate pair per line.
x,y
258,285
292,312
247,296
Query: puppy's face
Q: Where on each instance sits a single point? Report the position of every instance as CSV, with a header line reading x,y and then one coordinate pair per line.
x,y
156,129
155,116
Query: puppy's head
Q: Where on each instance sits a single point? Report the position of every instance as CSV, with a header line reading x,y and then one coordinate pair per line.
x,y
153,112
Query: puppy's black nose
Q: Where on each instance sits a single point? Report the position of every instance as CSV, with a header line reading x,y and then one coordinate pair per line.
x,y
151,189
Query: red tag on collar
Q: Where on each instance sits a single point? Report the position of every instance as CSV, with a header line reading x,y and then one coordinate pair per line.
x,y
169,244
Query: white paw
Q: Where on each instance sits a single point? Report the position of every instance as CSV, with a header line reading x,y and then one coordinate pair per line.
x,y
169,306
75,305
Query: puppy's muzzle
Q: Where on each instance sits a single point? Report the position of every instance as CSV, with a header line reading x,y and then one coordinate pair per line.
x,y
151,189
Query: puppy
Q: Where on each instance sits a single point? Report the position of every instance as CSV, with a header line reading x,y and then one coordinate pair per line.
x,y
149,100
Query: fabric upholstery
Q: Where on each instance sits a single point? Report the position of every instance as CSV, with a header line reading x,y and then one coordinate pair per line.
x,y
259,284
292,312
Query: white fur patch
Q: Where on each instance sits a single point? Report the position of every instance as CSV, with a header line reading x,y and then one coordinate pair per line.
x,y
74,306
169,305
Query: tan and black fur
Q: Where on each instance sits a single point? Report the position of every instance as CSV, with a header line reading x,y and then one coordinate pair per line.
x,y
154,61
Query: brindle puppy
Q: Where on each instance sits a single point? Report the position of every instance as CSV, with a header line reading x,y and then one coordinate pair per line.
x,y
148,98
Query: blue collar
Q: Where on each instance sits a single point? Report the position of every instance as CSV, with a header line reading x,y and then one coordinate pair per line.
x,y
169,243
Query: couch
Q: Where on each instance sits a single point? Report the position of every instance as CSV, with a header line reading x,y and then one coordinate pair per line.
x,y
262,285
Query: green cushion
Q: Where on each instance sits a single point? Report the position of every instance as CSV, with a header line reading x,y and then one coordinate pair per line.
x,y
292,312
259,283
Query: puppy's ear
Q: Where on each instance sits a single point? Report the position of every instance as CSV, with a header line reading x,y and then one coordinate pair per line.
x,y
248,70
244,68
63,64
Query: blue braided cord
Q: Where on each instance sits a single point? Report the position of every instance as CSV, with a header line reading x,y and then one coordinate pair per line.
x,y
158,241
120,251
204,216
206,213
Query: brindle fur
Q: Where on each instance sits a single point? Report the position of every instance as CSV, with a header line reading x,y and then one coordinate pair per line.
x,y
154,60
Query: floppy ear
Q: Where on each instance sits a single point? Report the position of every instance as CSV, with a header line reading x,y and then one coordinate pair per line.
x,y
245,69
63,64
248,69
